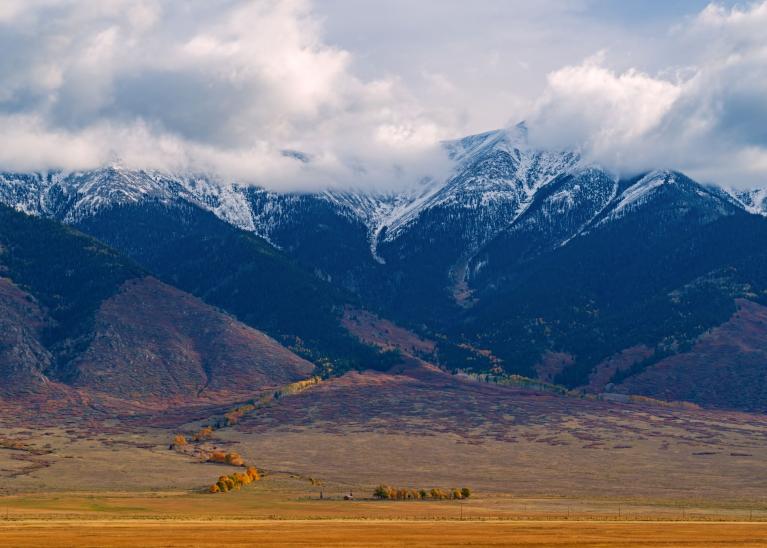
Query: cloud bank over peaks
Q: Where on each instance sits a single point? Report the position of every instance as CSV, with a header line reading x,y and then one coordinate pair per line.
x,y
707,116
219,87
228,87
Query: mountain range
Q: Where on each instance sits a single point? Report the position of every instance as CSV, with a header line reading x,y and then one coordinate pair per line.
x,y
522,261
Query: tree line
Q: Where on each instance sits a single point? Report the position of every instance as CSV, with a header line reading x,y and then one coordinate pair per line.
x,y
235,481
387,492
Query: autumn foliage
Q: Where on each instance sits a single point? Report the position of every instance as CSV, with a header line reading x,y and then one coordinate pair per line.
x,y
235,481
232,417
296,387
387,492
203,434
232,459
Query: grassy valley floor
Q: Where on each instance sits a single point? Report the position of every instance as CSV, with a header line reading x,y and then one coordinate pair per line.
x,y
383,533
544,470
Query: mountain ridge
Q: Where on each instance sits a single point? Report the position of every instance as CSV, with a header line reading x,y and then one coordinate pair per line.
x,y
78,315
477,181
519,254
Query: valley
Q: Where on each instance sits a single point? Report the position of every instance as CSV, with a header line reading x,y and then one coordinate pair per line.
x,y
591,472
338,273
417,427
573,348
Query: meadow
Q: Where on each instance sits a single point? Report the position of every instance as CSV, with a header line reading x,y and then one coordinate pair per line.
x,y
383,533
544,469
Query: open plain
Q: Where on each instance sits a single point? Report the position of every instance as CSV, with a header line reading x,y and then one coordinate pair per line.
x,y
544,469
384,533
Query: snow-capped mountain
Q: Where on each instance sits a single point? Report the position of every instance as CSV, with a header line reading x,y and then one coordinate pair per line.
x,y
72,197
519,251
495,171
500,188
664,189
496,174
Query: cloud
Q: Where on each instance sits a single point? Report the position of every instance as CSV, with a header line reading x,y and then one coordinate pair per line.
x,y
226,87
603,112
222,87
707,116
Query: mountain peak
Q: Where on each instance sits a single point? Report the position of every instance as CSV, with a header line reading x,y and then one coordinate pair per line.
x,y
520,131
467,148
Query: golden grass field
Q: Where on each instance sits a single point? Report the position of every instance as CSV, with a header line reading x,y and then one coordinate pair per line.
x,y
545,471
383,533
282,510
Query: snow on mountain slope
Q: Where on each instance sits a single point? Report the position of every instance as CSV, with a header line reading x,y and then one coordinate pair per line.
x,y
492,168
69,197
558,213
495,175
568,205
496,178
585,201
227,202
493,171
640,192
382,211
650,186
27,192
74,196
754,201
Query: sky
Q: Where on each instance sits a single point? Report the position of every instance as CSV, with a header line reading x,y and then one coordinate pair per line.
x,y
366,91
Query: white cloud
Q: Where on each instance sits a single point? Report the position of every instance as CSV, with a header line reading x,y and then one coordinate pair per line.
x,y
600,110
227,86
707,117
217,87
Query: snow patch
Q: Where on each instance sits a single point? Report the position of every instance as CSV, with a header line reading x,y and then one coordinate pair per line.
x,y
639,192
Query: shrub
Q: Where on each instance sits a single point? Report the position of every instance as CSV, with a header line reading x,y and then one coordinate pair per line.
x,y
234,459
296,387
384,492
204,434
241,479
217,456
438,494
235,481
179,440
232,417
227,481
